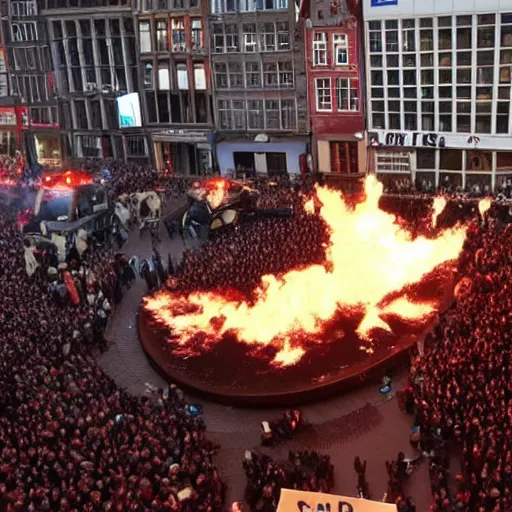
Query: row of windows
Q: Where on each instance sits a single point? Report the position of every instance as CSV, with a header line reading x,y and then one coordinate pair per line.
x,y
173,77
444,160
224,6
346,92
167,107
250,37
84,4
175,36
95,114
339,45
235,75
98,28
442,74
31,88
24,31
44,115
30,58
22,9
166,5
269,114
458,32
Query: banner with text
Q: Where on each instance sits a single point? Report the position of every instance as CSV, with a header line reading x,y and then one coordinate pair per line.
x,y
301,501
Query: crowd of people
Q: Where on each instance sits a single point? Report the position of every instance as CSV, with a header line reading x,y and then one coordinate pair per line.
x,y
461,385
304,471
70,439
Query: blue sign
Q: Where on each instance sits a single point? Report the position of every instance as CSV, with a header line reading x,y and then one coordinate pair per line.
x,y
383,3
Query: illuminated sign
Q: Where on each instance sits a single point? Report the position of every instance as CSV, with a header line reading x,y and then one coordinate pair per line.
x,y
382,3
129,111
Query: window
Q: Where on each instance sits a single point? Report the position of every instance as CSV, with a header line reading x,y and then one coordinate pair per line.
x,y
232,44
285,70
347,97
288,117
283,36
145,37
340,49
161,36
136,145
393,162
250,38
148,75
178,35
239,115
252,74
270,74
218,38
323,94
164,83
236,77
268,37
375,40
272,114
181,73
451,160
391,37
197,34
23,9
221,75
256,117
24,31
408,36
426,158
320,49
199,77
485,37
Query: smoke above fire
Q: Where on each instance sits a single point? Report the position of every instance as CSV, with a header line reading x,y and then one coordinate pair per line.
x,y
368,257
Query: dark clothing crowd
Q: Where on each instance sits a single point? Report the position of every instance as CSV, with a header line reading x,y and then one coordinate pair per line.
x,y
70,439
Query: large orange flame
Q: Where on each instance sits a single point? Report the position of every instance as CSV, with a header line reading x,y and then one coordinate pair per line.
x,y
368,257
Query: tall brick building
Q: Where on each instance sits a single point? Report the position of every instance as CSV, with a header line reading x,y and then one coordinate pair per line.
x,y
334,57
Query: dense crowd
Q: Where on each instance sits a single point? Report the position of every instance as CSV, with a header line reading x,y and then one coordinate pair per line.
x,y
462,387
70,439
303,471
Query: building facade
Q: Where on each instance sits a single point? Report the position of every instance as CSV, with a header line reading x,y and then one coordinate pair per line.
x,y
175,71
438,91
29,94
95,62
260,87
334,66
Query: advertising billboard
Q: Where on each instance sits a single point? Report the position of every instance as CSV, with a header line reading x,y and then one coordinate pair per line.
x,y
128,107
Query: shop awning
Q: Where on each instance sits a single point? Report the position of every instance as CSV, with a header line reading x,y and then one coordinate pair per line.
x,y
182,136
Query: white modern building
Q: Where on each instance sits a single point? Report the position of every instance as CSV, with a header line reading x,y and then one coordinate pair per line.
x,y
439,78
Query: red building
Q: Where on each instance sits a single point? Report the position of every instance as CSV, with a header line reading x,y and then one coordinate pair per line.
x,y
334,53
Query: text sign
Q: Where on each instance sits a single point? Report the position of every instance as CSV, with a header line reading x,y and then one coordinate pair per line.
x,y
301,501
415,139
383,3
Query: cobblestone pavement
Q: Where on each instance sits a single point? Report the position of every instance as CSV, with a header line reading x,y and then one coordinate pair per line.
x,y
362,422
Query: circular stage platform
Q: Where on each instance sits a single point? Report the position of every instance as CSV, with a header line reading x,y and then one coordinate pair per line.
x,y
232,373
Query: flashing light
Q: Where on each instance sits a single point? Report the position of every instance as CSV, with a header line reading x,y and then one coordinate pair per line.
x,y
68,180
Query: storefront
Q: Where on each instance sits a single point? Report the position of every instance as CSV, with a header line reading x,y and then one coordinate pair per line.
x,y
340,154
429,160
264,156
9,138
183,152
